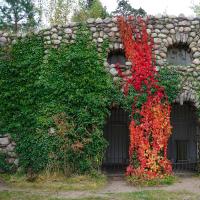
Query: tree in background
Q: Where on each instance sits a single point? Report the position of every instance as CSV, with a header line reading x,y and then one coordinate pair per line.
x,y
59,11
89,9
196,9
124,8
18,15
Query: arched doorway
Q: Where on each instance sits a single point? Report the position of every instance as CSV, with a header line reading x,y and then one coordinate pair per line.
x,y
182,146
116,132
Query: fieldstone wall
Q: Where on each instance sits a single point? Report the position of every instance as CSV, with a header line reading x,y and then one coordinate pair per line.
x,y
7,147
167,32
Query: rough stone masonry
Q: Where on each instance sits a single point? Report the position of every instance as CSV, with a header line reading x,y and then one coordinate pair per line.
x,y
169,33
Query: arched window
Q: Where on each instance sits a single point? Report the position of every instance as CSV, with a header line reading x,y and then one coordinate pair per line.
x,y
115,57
179,54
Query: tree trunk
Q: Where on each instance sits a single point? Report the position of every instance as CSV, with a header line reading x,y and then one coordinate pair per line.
x,y
15,26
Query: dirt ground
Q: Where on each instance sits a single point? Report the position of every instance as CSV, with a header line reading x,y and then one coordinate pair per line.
x,y
119,185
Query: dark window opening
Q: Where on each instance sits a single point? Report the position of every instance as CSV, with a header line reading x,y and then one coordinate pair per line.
x,y
116,57
116,132
182,146
179,54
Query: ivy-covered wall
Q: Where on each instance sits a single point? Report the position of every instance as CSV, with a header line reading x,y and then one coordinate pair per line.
x,y
166,31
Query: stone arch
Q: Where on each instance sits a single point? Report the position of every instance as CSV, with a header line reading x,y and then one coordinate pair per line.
x,y
179,54
188,96
188,39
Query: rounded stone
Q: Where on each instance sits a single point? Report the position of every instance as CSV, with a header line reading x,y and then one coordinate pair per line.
x,y
159,26
113,71
192,34
184,23
196,61
54,36
68,30
164,31
181,29
154,35
101,33
114,29
5,34
195,74
96,35
56,42
160,62
149,31
161,35
107,20
100,40
3,40
16,162
169,26
192,44
157,40
93,29
4,141
98,20
128,63
187,29
172,31
195,22
90,20
157,31
14,41
170,41
47,33
47,38
116,46
54,30
196,54
111,34
163,55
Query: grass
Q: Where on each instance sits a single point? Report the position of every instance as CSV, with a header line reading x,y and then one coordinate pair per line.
x,y
158,195
143,195
56,182
167,180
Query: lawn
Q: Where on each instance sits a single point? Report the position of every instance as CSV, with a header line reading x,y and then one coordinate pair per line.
x,y
56,182
87,187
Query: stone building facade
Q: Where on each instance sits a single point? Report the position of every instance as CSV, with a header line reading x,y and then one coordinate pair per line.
x,y
176,39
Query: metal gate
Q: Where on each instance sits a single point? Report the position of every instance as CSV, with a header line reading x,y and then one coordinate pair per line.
x,y
182,146
116,132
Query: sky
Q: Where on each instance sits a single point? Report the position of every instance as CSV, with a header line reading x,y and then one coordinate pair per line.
x,y
171,7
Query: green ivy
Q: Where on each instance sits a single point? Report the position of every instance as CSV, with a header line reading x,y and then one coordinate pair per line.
x,y
170,79
55,107
37,93
75,82
5,166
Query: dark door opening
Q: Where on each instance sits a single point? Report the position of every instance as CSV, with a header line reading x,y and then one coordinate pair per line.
x,y
182,146
116,132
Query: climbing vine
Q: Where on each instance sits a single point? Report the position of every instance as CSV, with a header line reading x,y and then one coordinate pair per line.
x,y
55,107
150,126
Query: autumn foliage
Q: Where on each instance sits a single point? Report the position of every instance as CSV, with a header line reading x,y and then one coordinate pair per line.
x,y
150,126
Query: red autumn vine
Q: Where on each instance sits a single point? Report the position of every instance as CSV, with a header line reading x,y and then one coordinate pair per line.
x,y
150,126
